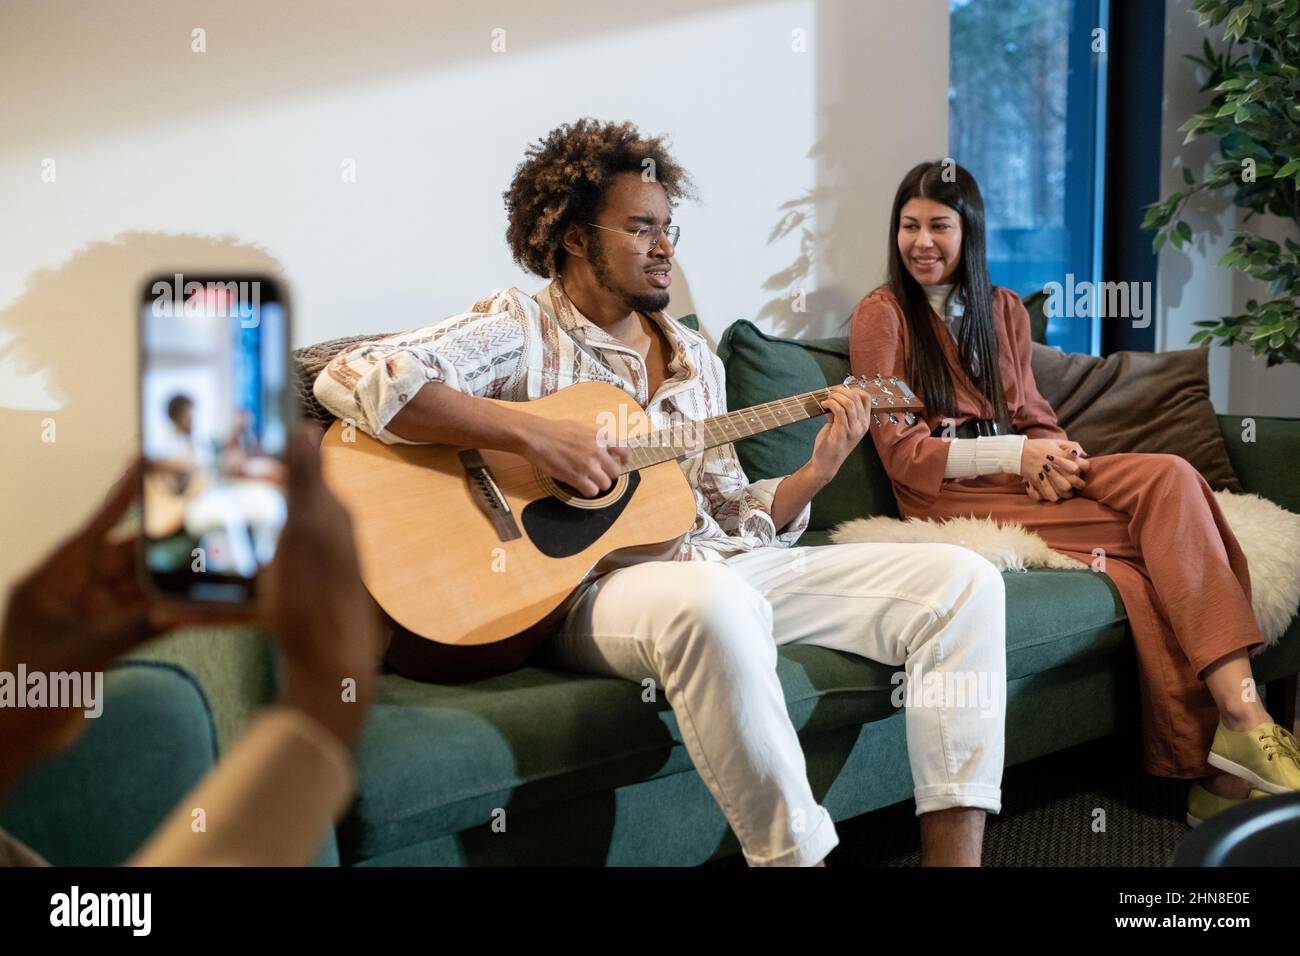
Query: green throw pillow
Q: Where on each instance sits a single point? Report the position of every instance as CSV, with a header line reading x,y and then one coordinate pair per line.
x,y
1036,305
763,368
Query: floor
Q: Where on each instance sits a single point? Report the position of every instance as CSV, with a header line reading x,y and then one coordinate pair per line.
x,y
1067,809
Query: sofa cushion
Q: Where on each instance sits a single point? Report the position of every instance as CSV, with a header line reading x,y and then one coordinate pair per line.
x,y
96,803
1035,305
437,759
1157,402
763,368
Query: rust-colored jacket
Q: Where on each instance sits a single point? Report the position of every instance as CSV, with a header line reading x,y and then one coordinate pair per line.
x,y
915,461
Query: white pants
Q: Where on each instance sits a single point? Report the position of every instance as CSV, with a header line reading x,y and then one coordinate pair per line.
x,y
707,633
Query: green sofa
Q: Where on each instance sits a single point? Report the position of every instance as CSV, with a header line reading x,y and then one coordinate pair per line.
x,y
586,773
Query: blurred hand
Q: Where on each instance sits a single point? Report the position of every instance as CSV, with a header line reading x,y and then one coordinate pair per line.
x,y
76,611
312,599
83,606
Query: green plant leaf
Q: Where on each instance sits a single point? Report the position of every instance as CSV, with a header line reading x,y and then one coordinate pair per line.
x,y
1250,105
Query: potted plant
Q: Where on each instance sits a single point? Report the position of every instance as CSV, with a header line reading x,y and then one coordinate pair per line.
x,y
1255,115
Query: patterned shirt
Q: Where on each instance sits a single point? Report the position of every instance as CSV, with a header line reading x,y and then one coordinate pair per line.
x,y
517,347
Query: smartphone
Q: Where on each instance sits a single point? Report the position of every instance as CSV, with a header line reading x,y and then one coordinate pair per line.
x,y
216,407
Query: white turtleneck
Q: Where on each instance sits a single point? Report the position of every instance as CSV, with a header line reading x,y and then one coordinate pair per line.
x,y
972,457
939,296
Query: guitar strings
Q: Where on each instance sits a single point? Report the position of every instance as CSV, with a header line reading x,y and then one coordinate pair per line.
x,y
799,402
639,443
654,441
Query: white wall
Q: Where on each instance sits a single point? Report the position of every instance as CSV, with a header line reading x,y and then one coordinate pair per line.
x,y
1191,284
167,158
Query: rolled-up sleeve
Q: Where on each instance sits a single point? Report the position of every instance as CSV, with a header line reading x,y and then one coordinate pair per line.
x,y
743,509
480,352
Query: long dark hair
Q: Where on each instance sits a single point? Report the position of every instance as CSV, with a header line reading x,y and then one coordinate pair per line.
x,y
926,369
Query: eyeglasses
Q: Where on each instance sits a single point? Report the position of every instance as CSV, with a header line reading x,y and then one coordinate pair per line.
x,y
647,237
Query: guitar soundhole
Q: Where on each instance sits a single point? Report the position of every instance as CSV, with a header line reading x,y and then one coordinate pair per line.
x,y
576,499
563,526
572,492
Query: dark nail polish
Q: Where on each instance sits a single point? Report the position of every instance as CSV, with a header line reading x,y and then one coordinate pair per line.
x,y
1074,452
1050,458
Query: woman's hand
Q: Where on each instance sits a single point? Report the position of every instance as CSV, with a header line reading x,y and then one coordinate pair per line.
x,y
1053,470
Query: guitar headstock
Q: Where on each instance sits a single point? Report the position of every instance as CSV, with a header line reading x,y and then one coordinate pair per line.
x,y
889,397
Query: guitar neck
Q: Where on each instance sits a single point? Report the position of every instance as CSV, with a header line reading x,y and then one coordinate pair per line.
x,y
690,438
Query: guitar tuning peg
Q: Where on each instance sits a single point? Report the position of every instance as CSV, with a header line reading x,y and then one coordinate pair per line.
x,y
876,418
893,419
909,418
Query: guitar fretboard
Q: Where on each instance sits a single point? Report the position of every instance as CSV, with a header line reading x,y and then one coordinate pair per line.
x,y
689,438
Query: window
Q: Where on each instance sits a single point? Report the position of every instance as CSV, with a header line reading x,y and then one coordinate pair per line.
x,y
1026,104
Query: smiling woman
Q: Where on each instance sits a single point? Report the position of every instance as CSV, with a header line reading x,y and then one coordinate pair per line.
x,y
937,233
1143,515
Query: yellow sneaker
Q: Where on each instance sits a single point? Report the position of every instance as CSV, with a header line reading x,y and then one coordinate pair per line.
x,y
1268,756
1202,804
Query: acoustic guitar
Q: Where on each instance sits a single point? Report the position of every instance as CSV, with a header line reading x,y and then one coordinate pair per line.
x,y
475,555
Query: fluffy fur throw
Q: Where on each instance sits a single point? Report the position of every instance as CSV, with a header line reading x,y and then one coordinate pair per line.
x,y
1269,536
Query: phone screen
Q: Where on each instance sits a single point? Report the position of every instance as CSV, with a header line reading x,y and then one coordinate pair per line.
x,y
214,419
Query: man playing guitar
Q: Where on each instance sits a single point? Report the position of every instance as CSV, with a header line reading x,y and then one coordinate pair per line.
x,y
590,208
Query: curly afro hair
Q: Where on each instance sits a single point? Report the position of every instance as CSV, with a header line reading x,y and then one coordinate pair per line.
x,y
563,178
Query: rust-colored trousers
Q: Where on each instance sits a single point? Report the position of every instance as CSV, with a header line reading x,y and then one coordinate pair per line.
x,y
1177,566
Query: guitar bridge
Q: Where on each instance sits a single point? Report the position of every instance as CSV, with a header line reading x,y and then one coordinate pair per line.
x,y
483,489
